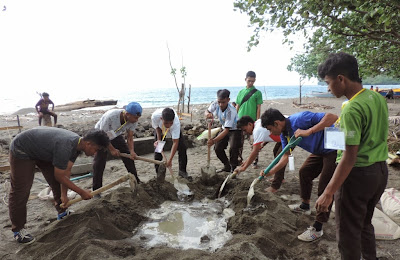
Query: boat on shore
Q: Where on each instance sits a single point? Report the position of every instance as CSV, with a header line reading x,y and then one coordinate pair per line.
x,y
320,94
85,104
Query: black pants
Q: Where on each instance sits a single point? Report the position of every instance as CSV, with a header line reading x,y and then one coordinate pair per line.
x,y
355,203
279,175
99,162
182,155
234,138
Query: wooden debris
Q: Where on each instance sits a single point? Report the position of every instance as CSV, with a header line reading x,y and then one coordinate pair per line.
x,y
312,105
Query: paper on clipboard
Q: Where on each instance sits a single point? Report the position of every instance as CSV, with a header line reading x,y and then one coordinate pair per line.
x,y
334,138
160,146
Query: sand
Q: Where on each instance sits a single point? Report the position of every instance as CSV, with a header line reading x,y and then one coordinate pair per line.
x,y
102,228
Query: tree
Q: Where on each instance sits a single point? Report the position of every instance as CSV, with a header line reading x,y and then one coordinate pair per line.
x,y
181,92
370,30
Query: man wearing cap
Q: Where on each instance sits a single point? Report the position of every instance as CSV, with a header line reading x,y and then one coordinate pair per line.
x,y
42,108
115,123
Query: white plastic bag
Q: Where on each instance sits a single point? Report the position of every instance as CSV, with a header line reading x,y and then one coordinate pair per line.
x,y
47,194
385,228
390,201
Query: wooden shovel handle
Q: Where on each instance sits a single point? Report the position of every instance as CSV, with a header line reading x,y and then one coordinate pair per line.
x,y
104,188
208,147
126,155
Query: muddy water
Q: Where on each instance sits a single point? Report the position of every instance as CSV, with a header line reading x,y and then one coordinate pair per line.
x,y
197,225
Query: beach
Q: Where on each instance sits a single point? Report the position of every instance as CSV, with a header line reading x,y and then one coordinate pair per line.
x,y
102,228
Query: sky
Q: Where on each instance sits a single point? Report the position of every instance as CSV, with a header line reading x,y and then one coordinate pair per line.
x,y
91,44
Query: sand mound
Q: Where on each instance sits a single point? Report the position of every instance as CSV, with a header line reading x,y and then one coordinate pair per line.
x,y
103,228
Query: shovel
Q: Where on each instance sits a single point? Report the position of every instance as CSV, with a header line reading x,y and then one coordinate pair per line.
x,y
292,143
230,176
132,184
208,170
161,169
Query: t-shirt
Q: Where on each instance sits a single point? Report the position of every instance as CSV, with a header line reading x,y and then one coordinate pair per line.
x,y
110,121
261,134
49,144
44,105
227,118
365,123
249,108
174,131
313,143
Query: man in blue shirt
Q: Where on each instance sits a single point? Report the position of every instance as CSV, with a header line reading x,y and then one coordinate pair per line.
x,y
321,162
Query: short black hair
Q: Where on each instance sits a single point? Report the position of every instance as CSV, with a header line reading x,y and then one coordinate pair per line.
x,y
340,64
244,121
270,116
223,93
168,114
98,137
250,74
45,94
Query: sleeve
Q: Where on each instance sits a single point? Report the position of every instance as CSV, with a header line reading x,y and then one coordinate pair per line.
x,y
283,141
352,125
104,123
38,103
239,98
261,135
155,121
51,102
62,154
176,128
259,98
212,107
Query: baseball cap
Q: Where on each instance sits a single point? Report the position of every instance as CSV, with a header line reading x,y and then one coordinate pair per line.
x,y
134,108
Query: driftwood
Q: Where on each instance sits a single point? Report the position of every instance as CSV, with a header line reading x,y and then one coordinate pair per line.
x,y
84,104
312,105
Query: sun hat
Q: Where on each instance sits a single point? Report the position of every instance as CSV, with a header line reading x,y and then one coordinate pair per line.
x,y
134,108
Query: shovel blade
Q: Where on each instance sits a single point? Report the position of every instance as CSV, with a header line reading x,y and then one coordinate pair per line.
x,y
250,194
133,184
208,171
161,173
223,185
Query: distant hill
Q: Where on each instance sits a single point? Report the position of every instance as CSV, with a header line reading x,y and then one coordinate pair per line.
x,y
378,80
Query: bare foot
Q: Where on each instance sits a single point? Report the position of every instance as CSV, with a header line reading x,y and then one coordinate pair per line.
x,y
270,189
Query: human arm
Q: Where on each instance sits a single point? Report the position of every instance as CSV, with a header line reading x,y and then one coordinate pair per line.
x,y
37,106
254,152
327,121
175,143
159,135
218,137
281,164
258,111
62,176
343,170
52,104
131,144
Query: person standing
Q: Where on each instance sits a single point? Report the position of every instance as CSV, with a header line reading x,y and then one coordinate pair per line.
x,y
321,162
115,123
42,108
53,151
361,175
166,123
227,115
248,103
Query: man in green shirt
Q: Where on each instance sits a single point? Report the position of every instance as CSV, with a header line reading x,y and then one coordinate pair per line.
x,y
248,102
361,175
251,107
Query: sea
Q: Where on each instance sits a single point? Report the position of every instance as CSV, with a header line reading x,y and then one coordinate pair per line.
x,y
150,97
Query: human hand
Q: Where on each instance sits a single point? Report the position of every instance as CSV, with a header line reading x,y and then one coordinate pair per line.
x,y
168,164
210,142
156,143
86,195
115,152
64,200
209,116
323,202
302,133
133,155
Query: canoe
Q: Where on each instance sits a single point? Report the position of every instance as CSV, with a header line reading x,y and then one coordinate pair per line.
x,y
85,104
320,94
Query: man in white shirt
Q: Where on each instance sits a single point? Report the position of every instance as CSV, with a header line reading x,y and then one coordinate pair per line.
x,y
115,123
227,115
166,124
261,136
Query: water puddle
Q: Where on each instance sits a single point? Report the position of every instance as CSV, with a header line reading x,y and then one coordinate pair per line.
x,y
199,225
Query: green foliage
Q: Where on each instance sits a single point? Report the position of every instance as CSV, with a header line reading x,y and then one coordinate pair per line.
x,y
367,29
